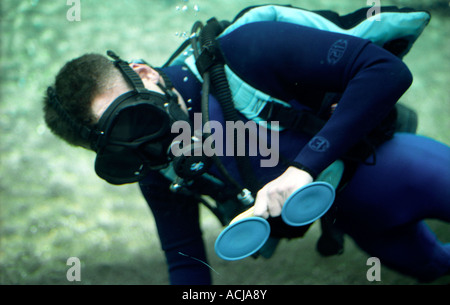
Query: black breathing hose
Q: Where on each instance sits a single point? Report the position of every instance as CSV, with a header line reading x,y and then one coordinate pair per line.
x,y
217,77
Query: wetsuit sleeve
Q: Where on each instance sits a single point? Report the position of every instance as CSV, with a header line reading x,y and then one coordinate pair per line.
x,y
177,222
293,62
375,81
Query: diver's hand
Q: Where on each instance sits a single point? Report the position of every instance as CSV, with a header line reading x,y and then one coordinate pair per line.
x,y
270,199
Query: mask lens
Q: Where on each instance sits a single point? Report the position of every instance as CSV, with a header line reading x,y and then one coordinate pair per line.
x,y
131,144
118,164
139,122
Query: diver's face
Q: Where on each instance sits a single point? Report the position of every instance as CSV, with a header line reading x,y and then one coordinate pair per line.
x,y
150,77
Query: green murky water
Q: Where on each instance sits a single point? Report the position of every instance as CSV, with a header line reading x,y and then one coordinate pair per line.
x,y
52,205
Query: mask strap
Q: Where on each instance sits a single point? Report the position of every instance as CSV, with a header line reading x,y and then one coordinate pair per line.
x,y
128,73
166,79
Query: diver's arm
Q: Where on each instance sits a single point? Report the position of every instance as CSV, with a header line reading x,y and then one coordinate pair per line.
x,y
285,61
377,84
376,81
177,221
289,61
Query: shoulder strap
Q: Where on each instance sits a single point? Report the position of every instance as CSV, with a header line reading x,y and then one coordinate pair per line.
x,y
290,118
210,64
210,51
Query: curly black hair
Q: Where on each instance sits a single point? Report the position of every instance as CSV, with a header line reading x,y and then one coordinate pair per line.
x,y
78,82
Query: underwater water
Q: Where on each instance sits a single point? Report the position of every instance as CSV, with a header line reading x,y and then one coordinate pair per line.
x,y
53,206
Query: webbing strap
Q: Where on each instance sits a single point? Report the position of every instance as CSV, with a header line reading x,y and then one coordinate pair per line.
x,y
295,119
128,73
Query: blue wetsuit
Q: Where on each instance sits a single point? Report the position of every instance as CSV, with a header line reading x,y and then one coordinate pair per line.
x,y
383,205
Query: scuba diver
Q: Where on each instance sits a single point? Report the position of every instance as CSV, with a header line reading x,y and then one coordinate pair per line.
x,y
335,97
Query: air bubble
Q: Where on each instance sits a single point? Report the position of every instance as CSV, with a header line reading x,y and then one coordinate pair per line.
x,y
40,130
